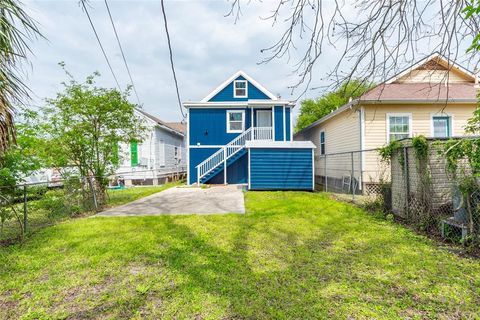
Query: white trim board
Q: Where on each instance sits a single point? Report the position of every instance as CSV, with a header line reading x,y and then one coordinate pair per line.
x,y
206,146
238,104
281,144
232,78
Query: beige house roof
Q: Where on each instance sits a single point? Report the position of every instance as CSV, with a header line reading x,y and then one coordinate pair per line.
x,y
434,79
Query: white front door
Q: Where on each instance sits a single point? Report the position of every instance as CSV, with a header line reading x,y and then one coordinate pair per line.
x,y
264,118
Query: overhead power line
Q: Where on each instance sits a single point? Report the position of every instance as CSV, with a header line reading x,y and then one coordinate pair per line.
x,y
171,58
100,44
121,50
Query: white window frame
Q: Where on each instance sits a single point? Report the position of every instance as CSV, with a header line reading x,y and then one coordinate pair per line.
x,y
228,121
324,142
441,114
235,95
410,123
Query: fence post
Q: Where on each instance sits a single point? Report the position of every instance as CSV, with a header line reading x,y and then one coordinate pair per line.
x,y
352,183
25,209
407,181
325,177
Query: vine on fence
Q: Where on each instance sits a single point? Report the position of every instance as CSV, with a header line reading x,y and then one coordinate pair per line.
x,y
389,150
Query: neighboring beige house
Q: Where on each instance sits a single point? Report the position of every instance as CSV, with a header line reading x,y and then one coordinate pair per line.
x,y
434,98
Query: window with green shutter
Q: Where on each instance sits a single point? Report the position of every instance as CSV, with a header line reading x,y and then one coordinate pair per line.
x,y
134,153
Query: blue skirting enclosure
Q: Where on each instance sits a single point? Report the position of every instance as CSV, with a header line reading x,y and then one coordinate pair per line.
x,y
281,166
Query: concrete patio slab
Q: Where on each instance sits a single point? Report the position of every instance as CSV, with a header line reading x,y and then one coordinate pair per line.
x,y
182,200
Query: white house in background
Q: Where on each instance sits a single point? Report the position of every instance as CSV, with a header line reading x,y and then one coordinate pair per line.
x,y
160,154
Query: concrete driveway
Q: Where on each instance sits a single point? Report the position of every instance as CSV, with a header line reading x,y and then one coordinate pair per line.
x,y
184,200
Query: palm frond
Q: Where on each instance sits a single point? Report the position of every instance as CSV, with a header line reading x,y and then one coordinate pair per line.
x,y
17,30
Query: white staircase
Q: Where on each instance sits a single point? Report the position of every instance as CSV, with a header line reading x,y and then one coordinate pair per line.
x,y
229,150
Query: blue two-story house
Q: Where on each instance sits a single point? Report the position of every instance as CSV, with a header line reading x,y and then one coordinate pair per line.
x,y
243,127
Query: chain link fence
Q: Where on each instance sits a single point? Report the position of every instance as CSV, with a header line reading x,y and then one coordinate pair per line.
x,y
28,207
31,206
418,191
359,176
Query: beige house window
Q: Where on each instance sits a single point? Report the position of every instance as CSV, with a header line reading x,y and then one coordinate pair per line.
x,y
399,126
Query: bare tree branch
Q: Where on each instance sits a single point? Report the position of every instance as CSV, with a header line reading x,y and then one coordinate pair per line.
x,y
375,38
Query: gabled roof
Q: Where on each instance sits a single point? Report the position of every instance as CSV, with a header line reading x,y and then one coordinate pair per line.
x,y
235,76
391,92
159,122
439,58
179,126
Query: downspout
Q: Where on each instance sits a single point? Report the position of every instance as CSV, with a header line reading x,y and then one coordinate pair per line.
x,y
361,118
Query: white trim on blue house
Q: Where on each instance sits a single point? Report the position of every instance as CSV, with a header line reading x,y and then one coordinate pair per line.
x,y
238,104
280,144
313,169
232,78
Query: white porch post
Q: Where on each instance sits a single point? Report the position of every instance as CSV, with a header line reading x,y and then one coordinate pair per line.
x,y
251,124
225,165
273,123
198,176
251,116
284,125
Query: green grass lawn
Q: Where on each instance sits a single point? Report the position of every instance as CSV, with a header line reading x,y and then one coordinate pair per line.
x,y
293,255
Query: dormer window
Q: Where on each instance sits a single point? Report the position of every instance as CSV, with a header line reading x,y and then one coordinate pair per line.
x,y
240,89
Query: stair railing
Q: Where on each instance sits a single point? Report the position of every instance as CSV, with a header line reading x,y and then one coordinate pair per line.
x,y
230,149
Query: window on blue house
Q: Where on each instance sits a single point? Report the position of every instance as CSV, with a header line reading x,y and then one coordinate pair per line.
x,y
240,89
235,121
322,142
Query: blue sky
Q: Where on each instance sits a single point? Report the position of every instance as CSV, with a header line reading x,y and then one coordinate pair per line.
x,y
208,48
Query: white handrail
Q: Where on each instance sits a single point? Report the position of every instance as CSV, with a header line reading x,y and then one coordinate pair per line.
x,y
234,146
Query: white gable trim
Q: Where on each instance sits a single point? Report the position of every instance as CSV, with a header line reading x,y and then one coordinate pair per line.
x,y
232,78
434,55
